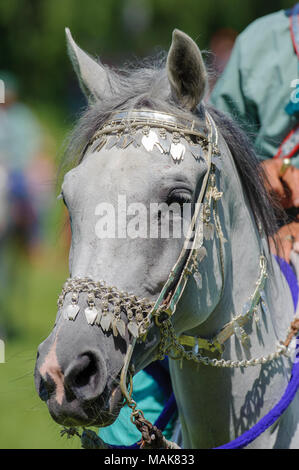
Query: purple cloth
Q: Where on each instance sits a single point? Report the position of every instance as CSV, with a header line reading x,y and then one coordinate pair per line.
x,y
292,387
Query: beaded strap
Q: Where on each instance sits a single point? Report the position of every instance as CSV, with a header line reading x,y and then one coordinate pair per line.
x,y
105,304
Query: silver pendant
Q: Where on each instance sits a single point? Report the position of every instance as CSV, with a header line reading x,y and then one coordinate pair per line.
x,y
106,321
137,139
133,329
128,141
208,231
114,328
198,279
148,141
71,311
124,141
164,144
159,147
177,151
101,144
121,141
201,253
121,327
98,319
197,152
91,315
111,142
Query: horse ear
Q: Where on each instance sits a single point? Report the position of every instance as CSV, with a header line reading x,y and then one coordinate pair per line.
x,y
91,74
186,71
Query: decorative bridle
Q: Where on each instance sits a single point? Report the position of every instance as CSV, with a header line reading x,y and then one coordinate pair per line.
x,y
171,135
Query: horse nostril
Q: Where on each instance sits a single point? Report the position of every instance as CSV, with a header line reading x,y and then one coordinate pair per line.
x,y
86,371
86,376
43,390
45,386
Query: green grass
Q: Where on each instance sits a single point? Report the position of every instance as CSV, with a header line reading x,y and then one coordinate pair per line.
x,y
25,421
28,295
31,303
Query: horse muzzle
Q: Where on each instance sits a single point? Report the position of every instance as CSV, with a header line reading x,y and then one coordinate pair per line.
x,y
79,394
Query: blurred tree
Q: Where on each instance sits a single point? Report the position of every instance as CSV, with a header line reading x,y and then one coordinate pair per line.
x,y
33,45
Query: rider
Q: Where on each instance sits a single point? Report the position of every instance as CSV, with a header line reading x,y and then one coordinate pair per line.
x,y
19,144
259,89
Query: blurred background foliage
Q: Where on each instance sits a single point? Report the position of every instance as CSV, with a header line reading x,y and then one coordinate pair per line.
x,y
33,43
33,49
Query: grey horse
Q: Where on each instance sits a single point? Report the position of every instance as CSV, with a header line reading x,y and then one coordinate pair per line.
x,y
79,365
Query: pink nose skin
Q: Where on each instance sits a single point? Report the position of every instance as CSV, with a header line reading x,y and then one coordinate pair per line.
x,y
50,368
84,378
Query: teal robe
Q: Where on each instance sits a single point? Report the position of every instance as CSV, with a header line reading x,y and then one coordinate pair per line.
x,y
256,85
150,398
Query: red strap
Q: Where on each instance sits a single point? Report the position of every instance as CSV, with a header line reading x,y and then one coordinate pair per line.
x,y
294,18
294,149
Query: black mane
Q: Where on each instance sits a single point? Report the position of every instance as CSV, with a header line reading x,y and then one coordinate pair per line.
x,y
265,207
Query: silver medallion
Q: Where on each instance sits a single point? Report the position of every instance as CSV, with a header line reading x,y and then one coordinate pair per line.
x,y
112,141
101,144
121,327
149,140
91,315
121,141
201,253
198,279
164,144
106,321
197,152
133,329
208,231
98,319
177,151
71,311
114,328
138,139
129,141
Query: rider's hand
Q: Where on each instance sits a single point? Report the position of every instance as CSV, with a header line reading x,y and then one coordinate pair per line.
x,y
286,187
287,239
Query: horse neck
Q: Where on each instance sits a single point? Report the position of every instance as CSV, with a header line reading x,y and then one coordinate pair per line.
x,y
219,396
244,247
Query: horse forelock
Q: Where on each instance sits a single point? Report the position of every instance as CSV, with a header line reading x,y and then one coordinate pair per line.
x,y
144,85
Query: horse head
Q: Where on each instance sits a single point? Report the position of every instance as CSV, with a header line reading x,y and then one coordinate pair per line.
x,y
153,254
79,364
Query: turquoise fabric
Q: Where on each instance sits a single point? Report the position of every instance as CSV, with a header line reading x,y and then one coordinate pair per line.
x,y
256,84
150,399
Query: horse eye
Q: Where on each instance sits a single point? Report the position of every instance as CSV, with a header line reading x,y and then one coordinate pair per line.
x,y
179,196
